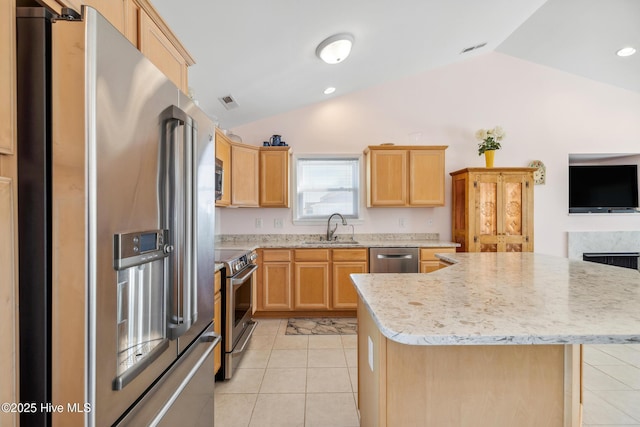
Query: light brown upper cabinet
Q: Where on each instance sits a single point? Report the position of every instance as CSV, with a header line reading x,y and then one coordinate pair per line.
x,y
405,176
274,177
156,46
244,175
493,209
142,25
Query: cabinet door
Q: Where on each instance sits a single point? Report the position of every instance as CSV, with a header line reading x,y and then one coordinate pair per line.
x,y
132,22
276,286
223,152
274,178
426,177
516,214
387,178
503,222
8,300
428,260
217,327
244,175
344,293
311,286
158,48
7,76
488,196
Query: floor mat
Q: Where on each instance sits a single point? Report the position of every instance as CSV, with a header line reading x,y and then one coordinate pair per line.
x,y
323,326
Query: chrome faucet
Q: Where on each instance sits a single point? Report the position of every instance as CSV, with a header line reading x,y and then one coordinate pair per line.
x,y
330,232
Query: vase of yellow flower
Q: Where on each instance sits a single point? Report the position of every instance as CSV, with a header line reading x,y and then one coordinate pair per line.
x,y
489,142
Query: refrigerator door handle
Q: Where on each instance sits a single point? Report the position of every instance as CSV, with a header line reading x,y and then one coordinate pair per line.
x,y
205,338
178,213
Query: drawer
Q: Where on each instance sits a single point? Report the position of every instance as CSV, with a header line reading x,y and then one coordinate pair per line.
x,y
275,255
429,254
312,254
350,254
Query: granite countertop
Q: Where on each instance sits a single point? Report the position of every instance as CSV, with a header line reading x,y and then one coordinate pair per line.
x,y
307,241
506,298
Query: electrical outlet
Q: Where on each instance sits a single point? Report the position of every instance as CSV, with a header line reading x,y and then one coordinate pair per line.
x,y
401,222
258,222
277,223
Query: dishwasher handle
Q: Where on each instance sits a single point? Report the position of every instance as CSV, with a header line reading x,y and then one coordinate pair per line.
x,y
394,256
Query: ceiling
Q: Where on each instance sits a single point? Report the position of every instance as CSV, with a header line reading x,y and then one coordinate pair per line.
x,y
262,53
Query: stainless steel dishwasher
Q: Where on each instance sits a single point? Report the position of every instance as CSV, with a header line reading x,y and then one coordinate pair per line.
x,y
393,260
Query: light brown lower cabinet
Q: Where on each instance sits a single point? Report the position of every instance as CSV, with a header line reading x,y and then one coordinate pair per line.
x,y
465,385
274,289
346,262
428,260
308,280
311,279
217,319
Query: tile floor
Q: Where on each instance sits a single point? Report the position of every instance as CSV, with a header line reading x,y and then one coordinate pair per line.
x,y
294,380
611,385
291,380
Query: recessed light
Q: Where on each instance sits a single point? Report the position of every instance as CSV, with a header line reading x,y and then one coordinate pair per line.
x,y
329,90
626,51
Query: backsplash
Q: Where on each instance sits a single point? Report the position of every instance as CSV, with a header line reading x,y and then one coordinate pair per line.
x,y
283,238
580,242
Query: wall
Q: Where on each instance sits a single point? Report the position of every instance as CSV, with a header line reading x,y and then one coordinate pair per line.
x,y
546,114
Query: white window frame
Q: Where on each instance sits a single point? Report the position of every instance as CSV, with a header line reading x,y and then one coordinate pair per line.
x,y
297,220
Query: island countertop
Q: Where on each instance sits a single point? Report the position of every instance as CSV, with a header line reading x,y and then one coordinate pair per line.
x,y
506,298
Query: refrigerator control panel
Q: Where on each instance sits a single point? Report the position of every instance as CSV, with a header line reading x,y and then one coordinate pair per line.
x,y
137,248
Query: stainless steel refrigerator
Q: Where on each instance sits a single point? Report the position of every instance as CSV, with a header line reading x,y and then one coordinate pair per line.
x,y
117,202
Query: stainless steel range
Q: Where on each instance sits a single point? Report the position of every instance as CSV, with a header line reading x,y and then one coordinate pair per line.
x,y
239,269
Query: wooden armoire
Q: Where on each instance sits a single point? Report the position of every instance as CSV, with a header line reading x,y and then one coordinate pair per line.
x,y
492,209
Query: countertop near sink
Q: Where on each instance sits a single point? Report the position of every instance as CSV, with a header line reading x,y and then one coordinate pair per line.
x,y
272,241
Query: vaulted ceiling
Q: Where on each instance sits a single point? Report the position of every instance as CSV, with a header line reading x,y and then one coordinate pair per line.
x,y
262,52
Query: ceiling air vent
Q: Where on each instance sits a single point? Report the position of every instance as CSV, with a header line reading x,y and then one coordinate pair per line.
x,y
228,102
469,49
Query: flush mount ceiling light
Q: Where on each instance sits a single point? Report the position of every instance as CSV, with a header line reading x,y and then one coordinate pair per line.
x,y
335,49
626,51
329,90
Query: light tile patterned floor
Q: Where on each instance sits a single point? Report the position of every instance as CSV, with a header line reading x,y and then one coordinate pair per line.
x,y
611,385
291,380
296,380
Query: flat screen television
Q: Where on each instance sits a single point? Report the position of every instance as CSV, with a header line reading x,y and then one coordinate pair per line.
x,y
604,188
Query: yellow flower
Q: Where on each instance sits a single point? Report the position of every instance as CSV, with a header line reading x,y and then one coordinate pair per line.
x,y
490,139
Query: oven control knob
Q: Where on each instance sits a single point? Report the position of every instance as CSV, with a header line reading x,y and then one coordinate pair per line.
x,y
167,249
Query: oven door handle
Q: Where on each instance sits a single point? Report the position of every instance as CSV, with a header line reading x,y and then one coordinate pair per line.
x,y
240,280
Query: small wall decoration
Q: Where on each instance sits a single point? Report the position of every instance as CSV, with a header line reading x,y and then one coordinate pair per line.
x,y
540,174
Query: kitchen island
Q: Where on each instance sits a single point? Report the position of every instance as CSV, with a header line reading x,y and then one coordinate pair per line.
x,y
492,340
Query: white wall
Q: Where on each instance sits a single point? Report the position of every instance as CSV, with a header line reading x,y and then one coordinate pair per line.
x,y
546,113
